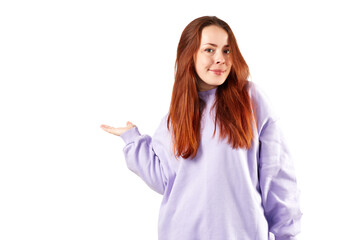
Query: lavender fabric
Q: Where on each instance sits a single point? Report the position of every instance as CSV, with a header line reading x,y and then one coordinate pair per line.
x,y
223,193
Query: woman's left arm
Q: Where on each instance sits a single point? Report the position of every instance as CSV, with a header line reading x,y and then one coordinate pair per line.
x,y
280,195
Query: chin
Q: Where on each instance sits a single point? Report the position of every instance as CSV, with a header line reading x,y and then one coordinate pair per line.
x,y
218,83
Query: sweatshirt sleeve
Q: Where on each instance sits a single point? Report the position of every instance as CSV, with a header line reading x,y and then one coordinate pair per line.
x,y
278,184
142,160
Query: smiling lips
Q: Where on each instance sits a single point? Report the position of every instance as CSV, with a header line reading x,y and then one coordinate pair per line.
x,y
217,71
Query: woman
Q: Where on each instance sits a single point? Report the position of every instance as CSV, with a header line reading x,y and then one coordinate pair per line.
x,y
218,157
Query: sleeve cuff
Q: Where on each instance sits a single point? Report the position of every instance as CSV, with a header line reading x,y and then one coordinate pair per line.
x,y
285,238
130,135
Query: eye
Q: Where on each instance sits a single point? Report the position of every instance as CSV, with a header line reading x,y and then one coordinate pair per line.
x,y
209,50
227,51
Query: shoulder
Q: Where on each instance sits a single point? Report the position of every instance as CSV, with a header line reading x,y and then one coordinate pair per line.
x,y
262,106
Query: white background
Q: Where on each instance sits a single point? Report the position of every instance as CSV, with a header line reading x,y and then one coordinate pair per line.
x,y
66,67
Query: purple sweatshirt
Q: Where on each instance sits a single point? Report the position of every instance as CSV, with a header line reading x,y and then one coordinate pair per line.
x,y
223,193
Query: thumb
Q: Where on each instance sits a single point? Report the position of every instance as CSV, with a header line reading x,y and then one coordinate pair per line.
x,y
130,124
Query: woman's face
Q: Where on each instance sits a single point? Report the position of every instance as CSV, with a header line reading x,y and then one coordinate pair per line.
x,y
212,60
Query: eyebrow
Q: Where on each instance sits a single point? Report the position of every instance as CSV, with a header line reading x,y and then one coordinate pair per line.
x,y
214,45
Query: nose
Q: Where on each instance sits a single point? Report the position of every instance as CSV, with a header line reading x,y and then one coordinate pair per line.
x,y
219,58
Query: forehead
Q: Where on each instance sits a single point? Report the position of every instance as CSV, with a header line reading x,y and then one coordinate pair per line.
x,y
215,35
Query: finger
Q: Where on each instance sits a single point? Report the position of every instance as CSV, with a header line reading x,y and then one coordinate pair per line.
x,y
107,128
103,126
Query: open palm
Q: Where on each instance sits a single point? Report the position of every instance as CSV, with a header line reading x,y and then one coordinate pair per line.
x,y
117,131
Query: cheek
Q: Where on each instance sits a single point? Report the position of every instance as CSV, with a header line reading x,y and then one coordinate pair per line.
x,y
203,61
229,64
206,63
228,61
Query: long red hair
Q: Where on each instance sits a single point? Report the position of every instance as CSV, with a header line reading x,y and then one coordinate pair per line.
x,y
234,114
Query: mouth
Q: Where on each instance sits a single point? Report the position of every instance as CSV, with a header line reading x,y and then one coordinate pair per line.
x,y
217,71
